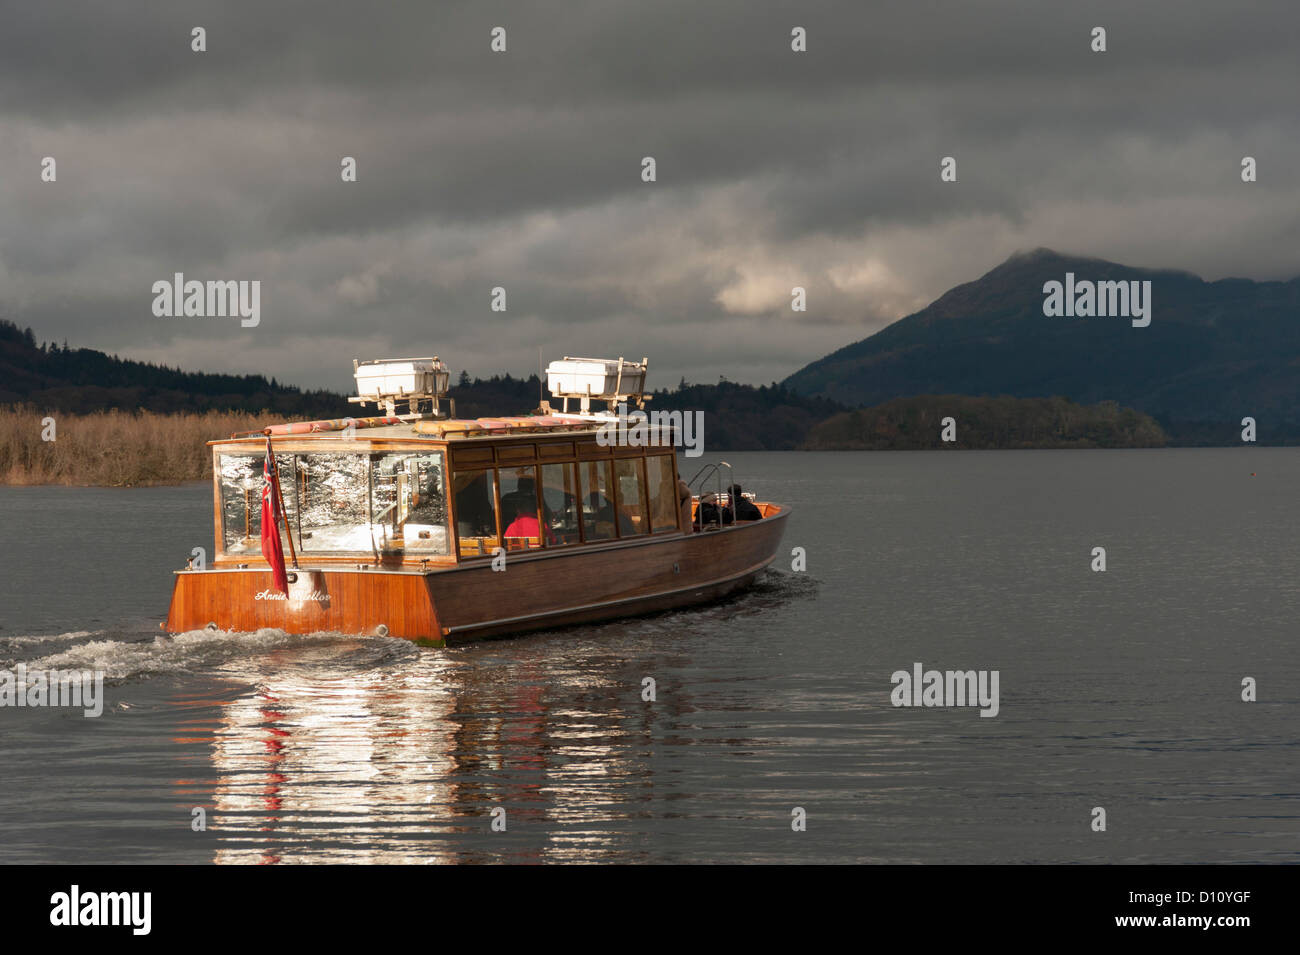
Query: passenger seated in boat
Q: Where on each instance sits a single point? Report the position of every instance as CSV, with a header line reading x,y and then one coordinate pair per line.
x,y
522,499
741,506
519,511
604,516
684,504
709,512
526,525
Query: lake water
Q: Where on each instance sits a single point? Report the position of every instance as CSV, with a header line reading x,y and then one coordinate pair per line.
x,y
1120,690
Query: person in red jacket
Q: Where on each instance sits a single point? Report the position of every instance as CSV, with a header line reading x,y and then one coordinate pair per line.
x,y
525,523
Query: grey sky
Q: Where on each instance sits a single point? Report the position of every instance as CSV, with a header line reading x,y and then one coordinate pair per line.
x,y
522,169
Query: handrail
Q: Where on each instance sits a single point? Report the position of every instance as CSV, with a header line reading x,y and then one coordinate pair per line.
x,y
710,469
715,470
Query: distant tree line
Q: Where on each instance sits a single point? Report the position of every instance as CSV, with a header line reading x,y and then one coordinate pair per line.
x,y
82,380
736,416
917,423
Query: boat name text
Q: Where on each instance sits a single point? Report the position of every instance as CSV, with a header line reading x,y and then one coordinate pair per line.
x,y
316,595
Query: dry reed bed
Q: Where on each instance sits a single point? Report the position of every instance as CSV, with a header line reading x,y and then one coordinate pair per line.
x,y
113,448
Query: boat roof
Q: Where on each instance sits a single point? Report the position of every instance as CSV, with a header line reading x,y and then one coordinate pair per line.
x,y
424,428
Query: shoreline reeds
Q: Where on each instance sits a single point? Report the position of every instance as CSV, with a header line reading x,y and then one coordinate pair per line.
x,y
113,448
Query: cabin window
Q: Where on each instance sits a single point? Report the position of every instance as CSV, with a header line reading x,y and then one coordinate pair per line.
x,y
340,503
333,497
598,515
476,512
561,511
633,514
521,526
661,475
408,502
240,479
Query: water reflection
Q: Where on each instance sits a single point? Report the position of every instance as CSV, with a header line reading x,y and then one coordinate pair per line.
x,y
404,762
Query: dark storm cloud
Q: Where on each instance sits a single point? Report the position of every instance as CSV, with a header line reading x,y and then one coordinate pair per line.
x,y
522,169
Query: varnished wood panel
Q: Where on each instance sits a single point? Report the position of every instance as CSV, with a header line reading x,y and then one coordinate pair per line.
x,y
556,449
593,574
654,573
477,457
358,602
516,454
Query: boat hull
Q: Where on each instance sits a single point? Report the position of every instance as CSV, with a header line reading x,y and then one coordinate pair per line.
x,y
472,601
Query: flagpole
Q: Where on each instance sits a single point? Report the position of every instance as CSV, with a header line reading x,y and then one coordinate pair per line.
x,y
279,503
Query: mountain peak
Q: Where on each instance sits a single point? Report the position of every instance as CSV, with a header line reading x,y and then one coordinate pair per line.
x,y
1042,252
1043,257
1212,348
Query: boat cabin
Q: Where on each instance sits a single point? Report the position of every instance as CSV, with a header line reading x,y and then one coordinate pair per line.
x,y
432,492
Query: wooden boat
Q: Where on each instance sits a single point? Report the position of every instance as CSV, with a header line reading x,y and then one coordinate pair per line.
x,y
445,530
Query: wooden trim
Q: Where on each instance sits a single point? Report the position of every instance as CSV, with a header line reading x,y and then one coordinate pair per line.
x,y
496,493
218,518
376,436
542,528
606,604
555,449
516,454
576,471
472,459
645,498
325,444
410,560
454,524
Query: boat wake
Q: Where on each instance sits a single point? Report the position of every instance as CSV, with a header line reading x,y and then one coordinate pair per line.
x,y
207,651
123,656
775,588
36,640
770,591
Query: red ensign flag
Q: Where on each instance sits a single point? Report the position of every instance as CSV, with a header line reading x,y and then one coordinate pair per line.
x,y
271,548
